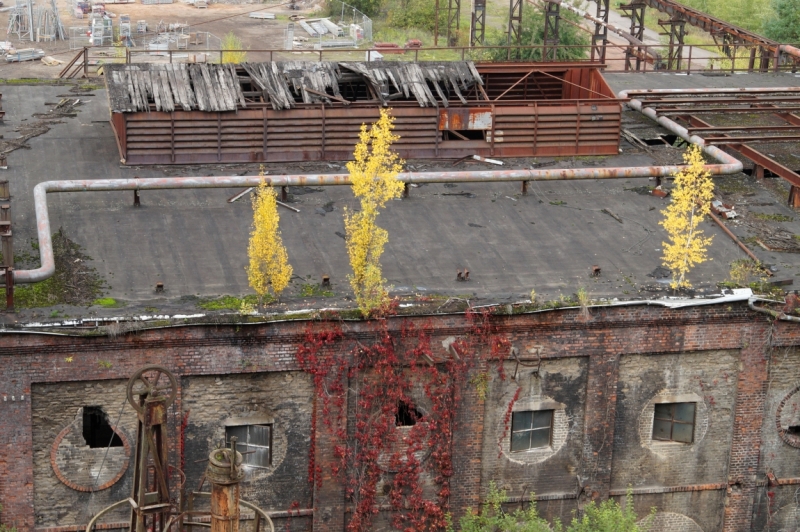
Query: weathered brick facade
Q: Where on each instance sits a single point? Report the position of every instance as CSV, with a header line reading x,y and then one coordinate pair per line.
x,y
601,376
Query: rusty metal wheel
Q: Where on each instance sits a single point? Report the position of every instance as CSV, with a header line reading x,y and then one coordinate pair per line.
x,y
152,381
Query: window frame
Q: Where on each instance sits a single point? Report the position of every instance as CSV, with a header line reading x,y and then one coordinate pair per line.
x,y
249,445
672,421
531,430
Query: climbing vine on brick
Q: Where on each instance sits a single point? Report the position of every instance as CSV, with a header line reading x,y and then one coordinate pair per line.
x,y
388,400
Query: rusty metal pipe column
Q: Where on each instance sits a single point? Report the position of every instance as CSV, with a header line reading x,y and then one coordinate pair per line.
x,y
224,472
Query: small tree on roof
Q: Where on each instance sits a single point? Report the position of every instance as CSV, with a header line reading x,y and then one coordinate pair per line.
x,y
269,263
691,203
373,175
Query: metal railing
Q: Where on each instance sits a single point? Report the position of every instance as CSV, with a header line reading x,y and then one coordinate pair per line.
x,y
619,57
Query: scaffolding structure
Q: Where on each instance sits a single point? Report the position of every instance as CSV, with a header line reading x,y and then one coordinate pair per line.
x,y
101,27
20,20
125,30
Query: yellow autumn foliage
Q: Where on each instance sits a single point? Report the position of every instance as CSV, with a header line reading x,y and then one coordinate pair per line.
x,y
232,49
269,263
691,203
373,175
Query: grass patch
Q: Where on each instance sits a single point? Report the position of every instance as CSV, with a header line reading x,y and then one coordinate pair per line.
x,y
32,81
230,302
108,302
315,290
773,217
73,283
732,185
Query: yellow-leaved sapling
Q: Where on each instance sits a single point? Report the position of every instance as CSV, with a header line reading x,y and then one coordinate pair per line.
x,y
269,263
691,203
373,176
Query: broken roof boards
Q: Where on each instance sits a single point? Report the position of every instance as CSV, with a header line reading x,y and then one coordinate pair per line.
x,y
210,87
291,111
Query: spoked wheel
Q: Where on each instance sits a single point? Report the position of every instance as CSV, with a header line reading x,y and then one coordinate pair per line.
x,y
152,381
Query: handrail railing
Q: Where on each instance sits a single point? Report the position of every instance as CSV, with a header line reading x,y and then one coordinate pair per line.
x,y
695,58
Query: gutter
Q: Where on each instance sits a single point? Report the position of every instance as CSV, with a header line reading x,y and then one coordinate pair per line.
x,y
726,164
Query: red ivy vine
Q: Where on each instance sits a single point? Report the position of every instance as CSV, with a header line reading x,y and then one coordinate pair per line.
x,y
361,386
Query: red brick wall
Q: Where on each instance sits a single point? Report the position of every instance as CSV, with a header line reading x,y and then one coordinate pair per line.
x,y
221,349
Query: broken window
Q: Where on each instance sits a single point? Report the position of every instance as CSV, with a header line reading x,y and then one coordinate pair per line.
x,y
254,442
531,429
674,422
406,415
97,431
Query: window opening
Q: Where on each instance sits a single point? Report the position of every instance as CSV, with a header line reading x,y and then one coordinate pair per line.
x,y
531,429
97,432
464,134
254,442
674,422
406,415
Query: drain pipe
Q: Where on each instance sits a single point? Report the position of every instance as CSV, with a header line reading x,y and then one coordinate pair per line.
x,y
726,165
774,313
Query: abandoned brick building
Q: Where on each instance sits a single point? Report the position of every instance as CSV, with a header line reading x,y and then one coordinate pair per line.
x,y
694,407
691,403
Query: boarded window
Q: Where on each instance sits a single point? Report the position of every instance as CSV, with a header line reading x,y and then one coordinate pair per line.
x,y
254,442
531,429
674,422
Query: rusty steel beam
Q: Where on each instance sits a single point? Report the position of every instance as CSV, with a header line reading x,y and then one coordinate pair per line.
x,y
514,37
736,144
708,23
552,16
675,28
767,162
730,35
637,47
450,12
477,29
635,11
748,139
725,110
710,128
600,37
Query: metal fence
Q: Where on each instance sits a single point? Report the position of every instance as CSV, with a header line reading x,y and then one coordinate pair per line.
x,y
619,58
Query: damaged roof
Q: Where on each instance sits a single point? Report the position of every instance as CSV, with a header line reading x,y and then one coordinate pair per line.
x,y
211,87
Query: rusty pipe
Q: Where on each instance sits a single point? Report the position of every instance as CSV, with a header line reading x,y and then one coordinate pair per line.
x,y
682,132
733,237
790,50
727,165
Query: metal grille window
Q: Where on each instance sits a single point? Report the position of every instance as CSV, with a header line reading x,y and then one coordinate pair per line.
x,y
674,422
531,429
255,440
